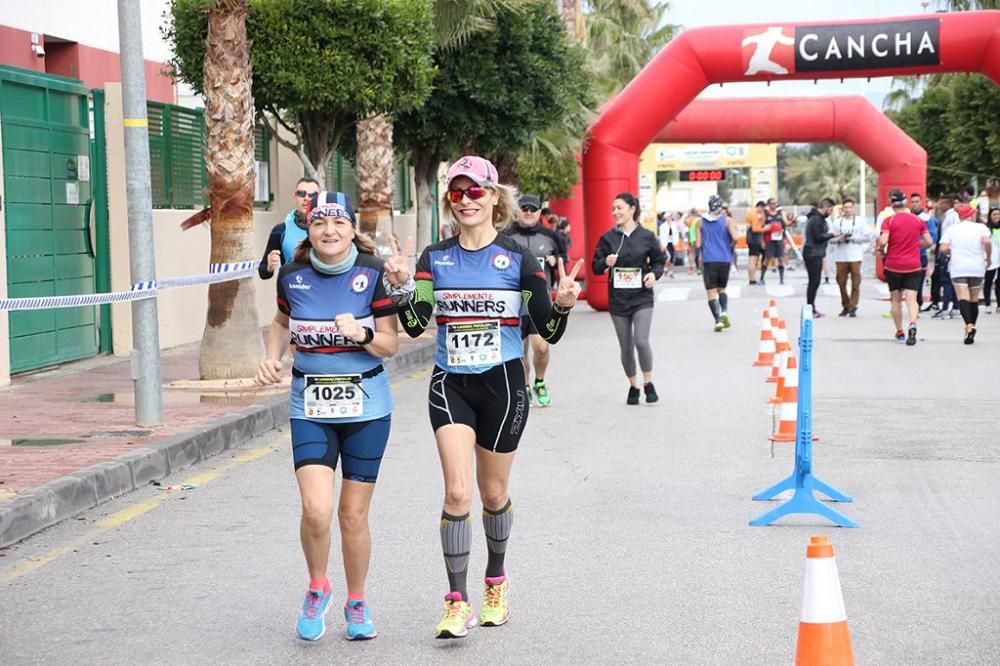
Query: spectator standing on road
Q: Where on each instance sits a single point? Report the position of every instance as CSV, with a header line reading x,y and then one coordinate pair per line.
x,y
332,303
716,237
694,252
547,247
755,240
667,233
991,281
900,239
632,254
774,248
817,236
969,247
287,235
847,253
917,208
946,216
481,282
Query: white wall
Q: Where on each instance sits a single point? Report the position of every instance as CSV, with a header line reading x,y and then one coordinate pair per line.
x,y
90,22
181,311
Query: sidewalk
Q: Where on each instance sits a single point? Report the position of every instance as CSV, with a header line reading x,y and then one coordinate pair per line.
x,y
68,439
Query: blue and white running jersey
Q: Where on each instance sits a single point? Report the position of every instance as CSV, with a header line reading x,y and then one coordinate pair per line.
x,y
312,300
479,297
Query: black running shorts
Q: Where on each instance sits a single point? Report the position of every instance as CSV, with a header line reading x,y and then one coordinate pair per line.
x,y
901,281
774,249
715,274
494,404
755,249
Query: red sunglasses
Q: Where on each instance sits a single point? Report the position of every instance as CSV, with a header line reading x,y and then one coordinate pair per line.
x,y
473,192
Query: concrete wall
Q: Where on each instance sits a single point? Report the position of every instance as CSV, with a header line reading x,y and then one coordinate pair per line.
x,y
181,311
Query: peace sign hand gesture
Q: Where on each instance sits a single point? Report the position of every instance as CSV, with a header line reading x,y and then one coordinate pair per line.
x,y
397,270
568,288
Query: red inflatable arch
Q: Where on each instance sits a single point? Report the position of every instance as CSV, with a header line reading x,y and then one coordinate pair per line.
x,y
697,58
851,120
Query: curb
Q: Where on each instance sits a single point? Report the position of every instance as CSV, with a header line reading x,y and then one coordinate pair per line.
x,y
87,488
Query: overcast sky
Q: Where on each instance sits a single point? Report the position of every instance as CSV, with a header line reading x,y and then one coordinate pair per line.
x,y
695,13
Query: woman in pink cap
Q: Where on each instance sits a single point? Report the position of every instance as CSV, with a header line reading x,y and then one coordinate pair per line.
x,y
481,282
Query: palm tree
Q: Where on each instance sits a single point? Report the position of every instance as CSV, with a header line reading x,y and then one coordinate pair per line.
x,y
374,171
622,36
455,21
832,174
231,345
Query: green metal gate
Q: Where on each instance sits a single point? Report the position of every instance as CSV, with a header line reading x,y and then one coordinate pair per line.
x,y
47,188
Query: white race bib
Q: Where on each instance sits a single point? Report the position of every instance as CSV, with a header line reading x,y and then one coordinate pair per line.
x,y
333,396
474,343
628,278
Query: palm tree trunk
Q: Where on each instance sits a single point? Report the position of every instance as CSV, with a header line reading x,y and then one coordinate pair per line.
x,y
374,171
425,167
232,344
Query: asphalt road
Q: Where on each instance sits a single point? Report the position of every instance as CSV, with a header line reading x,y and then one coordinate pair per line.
x,y
631,541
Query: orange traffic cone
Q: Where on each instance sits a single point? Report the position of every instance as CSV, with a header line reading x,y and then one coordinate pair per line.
x,y
765,353
775,366
789,414
772,305
824,639
779,391
781,337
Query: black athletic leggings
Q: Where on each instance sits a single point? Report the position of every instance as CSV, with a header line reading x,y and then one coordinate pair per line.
x,y
989,282
814,268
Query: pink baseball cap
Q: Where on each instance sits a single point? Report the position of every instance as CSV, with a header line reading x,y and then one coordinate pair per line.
x,y
478,169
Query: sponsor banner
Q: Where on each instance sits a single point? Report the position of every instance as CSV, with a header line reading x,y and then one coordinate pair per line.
x,y
784,50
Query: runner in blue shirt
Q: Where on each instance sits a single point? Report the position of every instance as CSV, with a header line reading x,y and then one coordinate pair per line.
x,y
481,282
333,305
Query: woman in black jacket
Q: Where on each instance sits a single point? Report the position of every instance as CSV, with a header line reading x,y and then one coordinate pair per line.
x,y
818,234
632,253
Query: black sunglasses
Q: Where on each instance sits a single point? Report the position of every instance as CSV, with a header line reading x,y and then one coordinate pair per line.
x,y
528,209
302,194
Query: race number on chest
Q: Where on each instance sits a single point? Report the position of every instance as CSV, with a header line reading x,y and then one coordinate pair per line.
x,y
333,396
473,343
628,278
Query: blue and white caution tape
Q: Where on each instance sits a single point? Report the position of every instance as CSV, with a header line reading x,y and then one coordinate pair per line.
x,y
139,291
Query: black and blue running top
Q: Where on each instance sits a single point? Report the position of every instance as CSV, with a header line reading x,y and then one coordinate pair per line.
x,y
480,296
312,300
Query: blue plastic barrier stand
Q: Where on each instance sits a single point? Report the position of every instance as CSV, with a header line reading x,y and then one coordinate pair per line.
x,y
802,480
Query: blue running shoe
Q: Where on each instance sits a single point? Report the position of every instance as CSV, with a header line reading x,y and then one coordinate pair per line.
x,y
359,621
312,622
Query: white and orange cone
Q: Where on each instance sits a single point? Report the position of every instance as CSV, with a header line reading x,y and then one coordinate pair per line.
x,y
789,415
765,353
789,411
824,639
780,345
779,391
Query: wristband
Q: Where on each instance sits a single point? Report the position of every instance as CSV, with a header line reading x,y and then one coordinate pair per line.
x,y
401,294
560,310
369,336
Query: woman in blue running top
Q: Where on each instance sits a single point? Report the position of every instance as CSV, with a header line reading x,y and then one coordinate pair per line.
x,y
333,305
480,282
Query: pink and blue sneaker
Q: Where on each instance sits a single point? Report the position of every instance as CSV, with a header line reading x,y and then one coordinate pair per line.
x,y
359,621
312,621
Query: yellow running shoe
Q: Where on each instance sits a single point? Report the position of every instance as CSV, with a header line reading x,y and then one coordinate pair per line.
x,y
496,610
458,618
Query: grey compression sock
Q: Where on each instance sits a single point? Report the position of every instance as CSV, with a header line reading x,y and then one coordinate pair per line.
x,y
723,301
456,542
497,526
713,305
